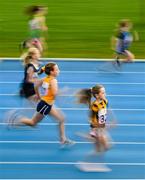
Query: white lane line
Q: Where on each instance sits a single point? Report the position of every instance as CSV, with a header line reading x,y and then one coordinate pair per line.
x,y
64,82
122,83
87,124
86,72
72,179
72,95
69,59
84,124
69,109
66,163
76,142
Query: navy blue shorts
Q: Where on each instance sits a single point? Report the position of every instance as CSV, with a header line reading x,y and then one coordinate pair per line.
x,y
43,108
27,89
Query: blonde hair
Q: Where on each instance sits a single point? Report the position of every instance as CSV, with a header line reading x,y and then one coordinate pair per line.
x,y
33,50
28,56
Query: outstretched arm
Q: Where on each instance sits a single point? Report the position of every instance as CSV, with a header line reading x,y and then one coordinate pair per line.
x,y
37,86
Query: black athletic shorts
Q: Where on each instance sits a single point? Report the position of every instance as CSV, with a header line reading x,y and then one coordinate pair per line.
x,y
43,108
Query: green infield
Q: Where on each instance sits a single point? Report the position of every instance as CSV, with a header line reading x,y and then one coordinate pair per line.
x,y
76,28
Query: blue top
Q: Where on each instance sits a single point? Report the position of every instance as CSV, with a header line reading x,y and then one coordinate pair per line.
x,y
124,41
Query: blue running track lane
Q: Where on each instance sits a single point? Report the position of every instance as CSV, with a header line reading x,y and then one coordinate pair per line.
x,y
35,153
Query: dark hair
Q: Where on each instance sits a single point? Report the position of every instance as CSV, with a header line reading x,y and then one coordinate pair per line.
x,y
24,44
32,10
84,95
124,22
49,67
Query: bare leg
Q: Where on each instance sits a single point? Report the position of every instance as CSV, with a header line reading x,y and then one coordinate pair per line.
x,y
117,62
32,122
60,117
103,142
130,56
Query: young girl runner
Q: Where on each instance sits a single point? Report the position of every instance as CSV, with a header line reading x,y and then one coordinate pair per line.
x,y
46,104
123,39
37,26
31,69
98,116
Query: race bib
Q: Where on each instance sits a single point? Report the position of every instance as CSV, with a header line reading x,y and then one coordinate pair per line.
x,y
102,115
45,87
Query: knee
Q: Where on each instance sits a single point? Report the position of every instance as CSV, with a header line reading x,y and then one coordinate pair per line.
x,y
61,120
131,57
32,123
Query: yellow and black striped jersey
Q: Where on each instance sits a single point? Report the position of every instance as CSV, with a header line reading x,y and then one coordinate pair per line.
x,y
98,113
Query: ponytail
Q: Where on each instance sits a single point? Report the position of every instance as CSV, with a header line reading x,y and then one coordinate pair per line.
x,y
29,55
27,59
84,96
